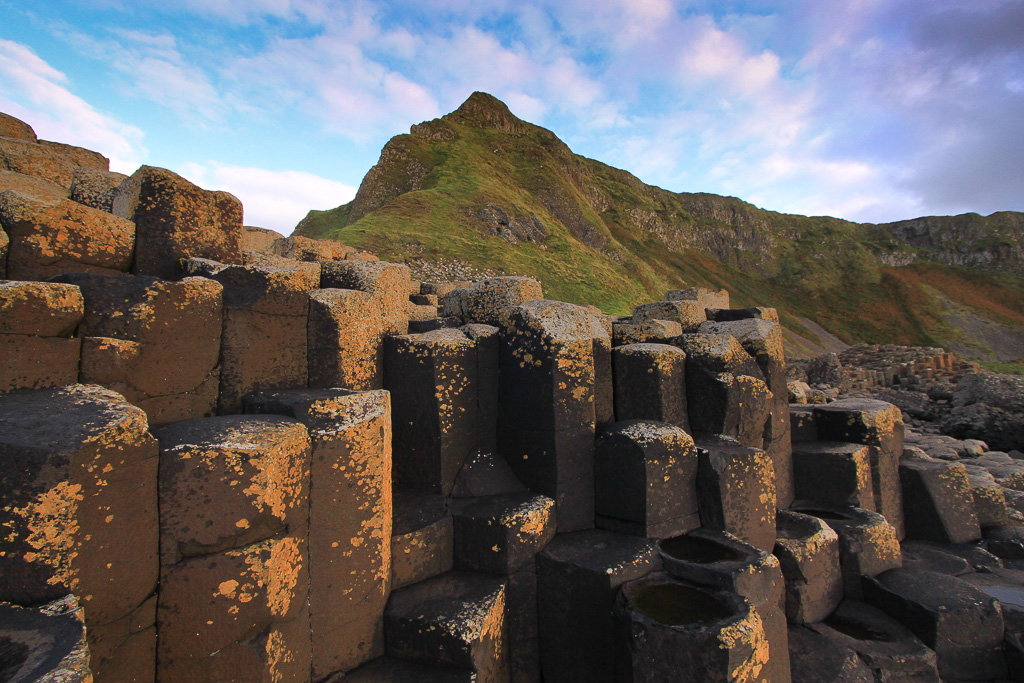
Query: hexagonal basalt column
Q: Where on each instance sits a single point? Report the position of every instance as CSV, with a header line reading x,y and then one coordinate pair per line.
x,y
867,542
726,391
345,340
501,534
736,490
578,576
834,473
891,650
155,341
350,517
677,631
646,479
718,560
234,510
433,382
45,643
650,383
808,552
387,283
546,406
455,620
176,220
762,339
78,513
266,309
960,622
937,502
37,324
877,424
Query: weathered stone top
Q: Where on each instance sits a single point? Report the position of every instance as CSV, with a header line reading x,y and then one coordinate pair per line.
x,y
46,309
30,186
556,321
61,420
324,411
646,431
11,127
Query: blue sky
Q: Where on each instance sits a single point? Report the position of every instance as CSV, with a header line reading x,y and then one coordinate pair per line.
x,y
871,110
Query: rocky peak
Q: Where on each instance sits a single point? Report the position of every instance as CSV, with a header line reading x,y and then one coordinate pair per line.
x,y
486,111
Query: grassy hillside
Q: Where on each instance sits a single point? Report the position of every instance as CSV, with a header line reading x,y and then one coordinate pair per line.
x,y
483,189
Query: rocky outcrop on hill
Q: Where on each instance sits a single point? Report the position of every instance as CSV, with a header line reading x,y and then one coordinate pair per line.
x,y
296,463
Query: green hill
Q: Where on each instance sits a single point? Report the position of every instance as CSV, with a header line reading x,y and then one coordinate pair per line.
x,y
481,191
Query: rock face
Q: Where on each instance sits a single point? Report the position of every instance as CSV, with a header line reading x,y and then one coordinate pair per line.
x,y
344,482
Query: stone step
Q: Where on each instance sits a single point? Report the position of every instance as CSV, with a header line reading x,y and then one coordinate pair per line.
x,y
456,620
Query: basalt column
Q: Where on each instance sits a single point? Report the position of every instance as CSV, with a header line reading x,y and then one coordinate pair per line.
x,y
762,339
546,405
433,380
234,508
350,515
78,514
157,342
266,309
877,424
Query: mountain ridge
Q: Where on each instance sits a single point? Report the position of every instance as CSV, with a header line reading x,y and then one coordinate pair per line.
x,y
509,196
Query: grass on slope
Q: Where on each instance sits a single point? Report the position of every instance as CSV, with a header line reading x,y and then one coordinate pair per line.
x,y
647,240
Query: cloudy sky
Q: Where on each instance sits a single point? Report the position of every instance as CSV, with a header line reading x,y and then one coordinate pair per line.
x,y
870,110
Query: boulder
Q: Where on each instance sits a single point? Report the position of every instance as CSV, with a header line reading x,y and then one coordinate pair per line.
x,y
95,187
51,161
49,236
176,220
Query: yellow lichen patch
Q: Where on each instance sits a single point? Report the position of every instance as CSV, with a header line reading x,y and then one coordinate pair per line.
x,y
278,654
51,521
227,589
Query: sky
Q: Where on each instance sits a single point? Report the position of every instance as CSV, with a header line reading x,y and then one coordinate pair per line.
x,y
870,110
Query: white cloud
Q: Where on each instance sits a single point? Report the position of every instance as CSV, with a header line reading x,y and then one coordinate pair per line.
x,y
157,70
32,90
277,200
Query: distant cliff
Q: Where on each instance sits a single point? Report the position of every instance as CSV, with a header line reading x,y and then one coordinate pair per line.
x,y
482,188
